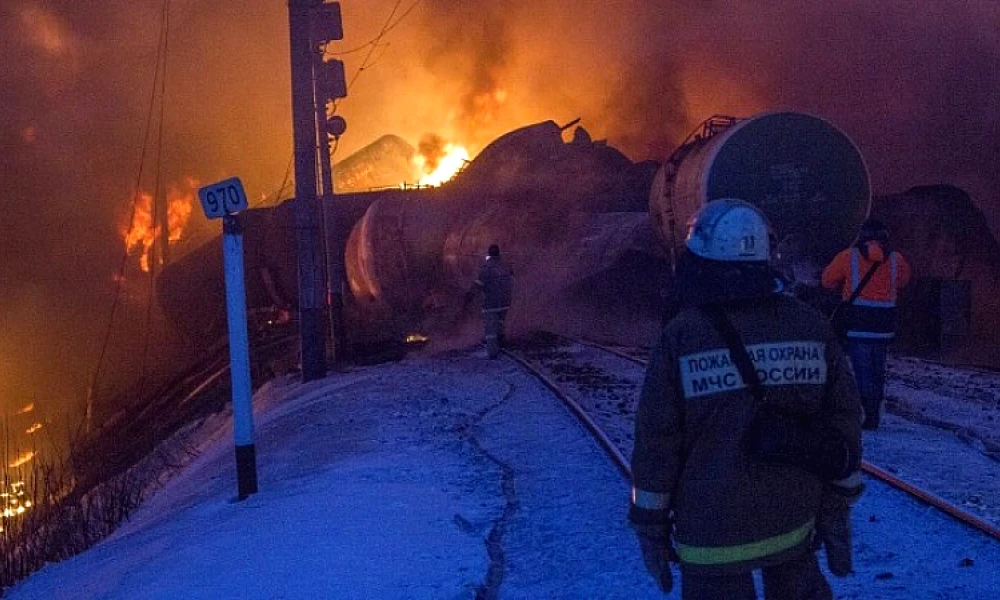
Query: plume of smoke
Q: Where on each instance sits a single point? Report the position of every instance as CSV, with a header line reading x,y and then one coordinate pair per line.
x,y
911,82
432,148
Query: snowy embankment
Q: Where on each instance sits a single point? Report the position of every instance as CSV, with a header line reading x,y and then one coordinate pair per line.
x,y
426,479
452,475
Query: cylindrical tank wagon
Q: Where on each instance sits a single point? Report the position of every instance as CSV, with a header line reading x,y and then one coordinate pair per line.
x,y
803,172
530,191
569,215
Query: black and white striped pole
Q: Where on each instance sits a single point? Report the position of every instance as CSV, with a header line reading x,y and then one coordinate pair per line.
x,y
226,199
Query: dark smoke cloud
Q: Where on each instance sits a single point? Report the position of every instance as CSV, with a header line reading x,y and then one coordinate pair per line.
x,y
432,148
77,79
912,82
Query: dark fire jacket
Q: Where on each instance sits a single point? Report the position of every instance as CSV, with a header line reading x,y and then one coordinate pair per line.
x,y
731,511
496,281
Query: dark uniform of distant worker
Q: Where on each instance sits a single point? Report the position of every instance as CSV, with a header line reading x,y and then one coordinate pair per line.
x,y
729,477
870,320
495,281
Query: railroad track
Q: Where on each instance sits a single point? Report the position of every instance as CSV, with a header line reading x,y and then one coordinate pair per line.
x,y
135,431
605,401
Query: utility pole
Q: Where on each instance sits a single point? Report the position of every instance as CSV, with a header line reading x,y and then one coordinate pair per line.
x,y
306,216
331,85
333,245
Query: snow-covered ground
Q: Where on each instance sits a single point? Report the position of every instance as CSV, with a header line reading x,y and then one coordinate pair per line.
x,y
426,479
963,400
450,476
895,534
942,433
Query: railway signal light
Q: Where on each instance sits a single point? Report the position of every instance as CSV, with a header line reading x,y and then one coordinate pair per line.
x,y
336,126
331,82
325,23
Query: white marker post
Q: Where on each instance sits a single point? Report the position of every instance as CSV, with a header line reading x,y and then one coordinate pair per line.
x,y
225,199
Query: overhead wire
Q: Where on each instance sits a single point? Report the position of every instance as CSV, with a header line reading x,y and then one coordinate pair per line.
x,y
375,43
276,194
386,29
145,131
372,45
160,239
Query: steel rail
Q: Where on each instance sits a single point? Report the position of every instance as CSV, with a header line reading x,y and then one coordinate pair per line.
x,y
932,500
608,349
168,409
208,376
616,455
875,471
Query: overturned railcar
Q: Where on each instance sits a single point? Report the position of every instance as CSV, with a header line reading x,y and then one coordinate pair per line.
x,y
563,207
802,171
588,232
411,258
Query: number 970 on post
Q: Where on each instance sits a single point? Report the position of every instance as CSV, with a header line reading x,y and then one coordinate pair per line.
x,y
223,198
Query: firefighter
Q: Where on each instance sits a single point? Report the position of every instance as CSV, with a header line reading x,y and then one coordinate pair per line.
x,y
869,321
495,281
728,469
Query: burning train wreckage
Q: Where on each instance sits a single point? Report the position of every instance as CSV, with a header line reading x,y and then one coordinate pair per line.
x,y
591,234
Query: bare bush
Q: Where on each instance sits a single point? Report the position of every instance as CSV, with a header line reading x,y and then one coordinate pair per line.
x,y
64,520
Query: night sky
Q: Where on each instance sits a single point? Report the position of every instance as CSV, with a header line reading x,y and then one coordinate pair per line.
x,y
913,82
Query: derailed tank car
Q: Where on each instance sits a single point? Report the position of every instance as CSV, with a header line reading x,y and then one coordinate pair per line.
x,y
411,257
191,290
571,216
804,173
410,254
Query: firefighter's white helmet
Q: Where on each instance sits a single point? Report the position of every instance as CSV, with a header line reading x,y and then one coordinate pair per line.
x,y
730,230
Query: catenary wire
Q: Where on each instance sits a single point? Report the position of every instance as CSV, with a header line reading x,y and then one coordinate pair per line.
x,y
387,29
145,130
158,241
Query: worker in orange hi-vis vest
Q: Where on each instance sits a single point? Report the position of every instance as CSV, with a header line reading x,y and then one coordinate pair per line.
x,y
872,273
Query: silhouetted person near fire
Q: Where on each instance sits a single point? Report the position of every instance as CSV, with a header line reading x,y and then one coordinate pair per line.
x,y
748,429
869,276
495,280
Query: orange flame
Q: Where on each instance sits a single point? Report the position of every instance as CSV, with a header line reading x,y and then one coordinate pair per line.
x,y
144,233
23,459
438,161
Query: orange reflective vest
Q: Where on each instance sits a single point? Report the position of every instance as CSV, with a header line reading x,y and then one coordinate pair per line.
x,y
873,314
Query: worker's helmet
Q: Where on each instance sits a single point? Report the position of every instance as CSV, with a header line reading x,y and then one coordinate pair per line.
x,y
730,230
493,251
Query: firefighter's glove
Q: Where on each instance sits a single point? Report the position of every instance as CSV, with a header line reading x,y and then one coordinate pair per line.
x,y
657,553
833,523
777,435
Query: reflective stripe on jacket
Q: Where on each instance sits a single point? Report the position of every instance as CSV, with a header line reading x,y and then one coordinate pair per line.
x,y
873,314
732,512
